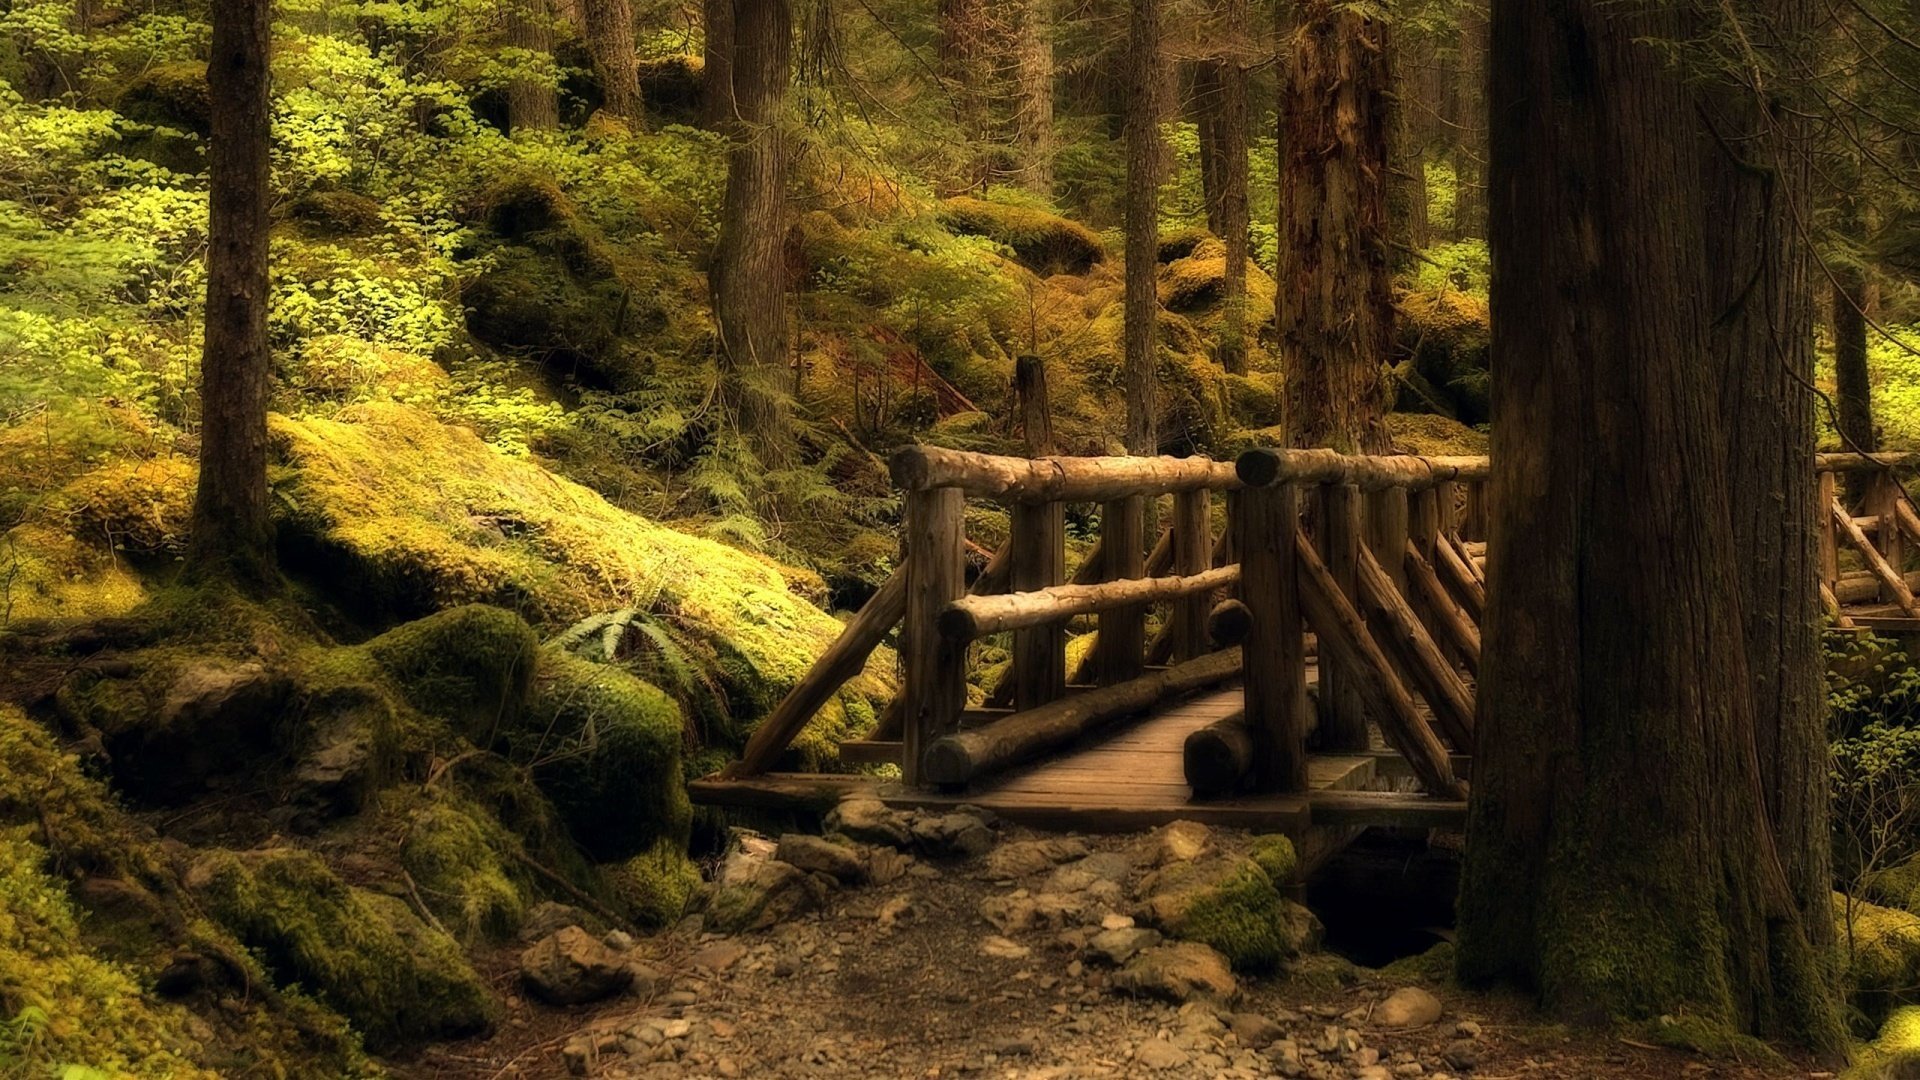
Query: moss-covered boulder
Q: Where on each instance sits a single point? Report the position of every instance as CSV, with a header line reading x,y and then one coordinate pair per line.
x,y
472,665
1894,1053
1044,242
1228,902
1879,953
1430,435
655,887
605,747
173,93
1896,886
458,858
401,515
363,953
1447,336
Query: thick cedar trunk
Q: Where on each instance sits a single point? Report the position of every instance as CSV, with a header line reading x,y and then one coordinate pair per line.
x,y
532,103
231,532
1613,886
1761,312
1142,303
749,272
1032,96
1334,305
1231,137
607,26
716,89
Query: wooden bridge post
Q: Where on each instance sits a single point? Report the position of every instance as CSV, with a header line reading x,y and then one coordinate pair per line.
x,y
1122,643
1423,519
1387,529
1192,530
1263,522
1343,720
1883,501
1038,546
1829,542
935,686
1473,525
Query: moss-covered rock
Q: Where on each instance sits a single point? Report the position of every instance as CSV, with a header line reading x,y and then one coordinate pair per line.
x,y
1896,886
1430,435
363,953
1274,854
605,747
173,93
1878,954
1229,903
334,213
471,665
1895,1053
1045,243
454,854
655,887
1447,335
402,515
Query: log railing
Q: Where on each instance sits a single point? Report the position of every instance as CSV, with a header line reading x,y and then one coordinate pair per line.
x,y
1881,538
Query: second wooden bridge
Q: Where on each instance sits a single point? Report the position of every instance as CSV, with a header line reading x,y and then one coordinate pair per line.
x,y
1315,639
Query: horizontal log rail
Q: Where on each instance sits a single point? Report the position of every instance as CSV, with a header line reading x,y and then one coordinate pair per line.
x,y
1264,467
1849,462
1056,479
974,617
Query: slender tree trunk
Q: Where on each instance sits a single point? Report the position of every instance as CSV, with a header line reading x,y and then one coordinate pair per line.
x,y
1206,94
1407,184
1232,139
1852,379
1470,150
532,101
1142,300
749,273
716,101
1334,304
1033,95
965,67
1609,885
607,26
232,534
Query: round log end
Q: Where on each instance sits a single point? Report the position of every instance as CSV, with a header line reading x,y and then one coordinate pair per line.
x,y
1257,468
1229,623
1215,760
947,762
958,624
909,469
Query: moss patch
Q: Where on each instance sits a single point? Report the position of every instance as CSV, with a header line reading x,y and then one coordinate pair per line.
x,y
471,665
454,855
1895,1052
1435,966
1430,435
1043,242
362,953
655,886
1229,903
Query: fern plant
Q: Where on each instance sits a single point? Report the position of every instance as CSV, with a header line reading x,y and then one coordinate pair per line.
x,y
651,646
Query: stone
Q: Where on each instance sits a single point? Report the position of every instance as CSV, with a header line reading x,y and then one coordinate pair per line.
x,y
1159,1055
718,956
1407,1007
895,911
645,979
1226,901
1115,921
1101,866
1115,947
954,834
1017,912
1004,949
618,940
1373,1072
868,821
1178,841
218,718
1180,972
1024,858
1462,1054
755,893
886,865
818,855
1467,1029
548,916
1255,1030
569,967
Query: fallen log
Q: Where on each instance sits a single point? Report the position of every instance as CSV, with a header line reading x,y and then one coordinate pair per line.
x,y
963,756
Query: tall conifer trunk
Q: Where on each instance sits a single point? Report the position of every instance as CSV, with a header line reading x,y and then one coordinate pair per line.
x,y
532,103
607,26
1142,301
231,531
1032,98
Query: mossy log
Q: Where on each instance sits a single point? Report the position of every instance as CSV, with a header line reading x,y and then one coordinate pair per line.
x,y
961,757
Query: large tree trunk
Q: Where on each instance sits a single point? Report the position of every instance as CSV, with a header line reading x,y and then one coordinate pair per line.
x,y
749,272
1761,308
1231,137
532,101
607,26
1142,300
1033,95
716,69
232,534
1620,861
1334,305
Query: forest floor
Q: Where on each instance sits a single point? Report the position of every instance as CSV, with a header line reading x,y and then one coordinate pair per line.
x,y
908,979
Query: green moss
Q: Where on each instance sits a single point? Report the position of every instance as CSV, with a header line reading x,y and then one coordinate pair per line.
x,y
605,747
1043,242
362,953
1710,1038
1274,854
1230,904
1435,966
405,515
454,855
1895,1053
1430,435
1896,886
471,665
173,93
1446,332
655,886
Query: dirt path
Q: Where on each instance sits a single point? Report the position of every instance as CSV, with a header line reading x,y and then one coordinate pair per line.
x,y
908,979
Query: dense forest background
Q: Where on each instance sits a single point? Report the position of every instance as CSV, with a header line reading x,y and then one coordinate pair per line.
x,y
530,350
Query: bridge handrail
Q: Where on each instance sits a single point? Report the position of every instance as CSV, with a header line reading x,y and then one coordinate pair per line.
x,y
1264,466
1056,479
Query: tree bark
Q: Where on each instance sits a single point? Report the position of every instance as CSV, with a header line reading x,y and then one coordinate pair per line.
x,y
1853,381
1033,95
716,69
1334,304
966,38
749,273
1232,140
532,102
607,26
1407,182
232,534
1620,861
1142,301
1470,148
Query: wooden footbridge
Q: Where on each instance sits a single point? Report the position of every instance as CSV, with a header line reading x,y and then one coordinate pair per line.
x,y
1296,653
